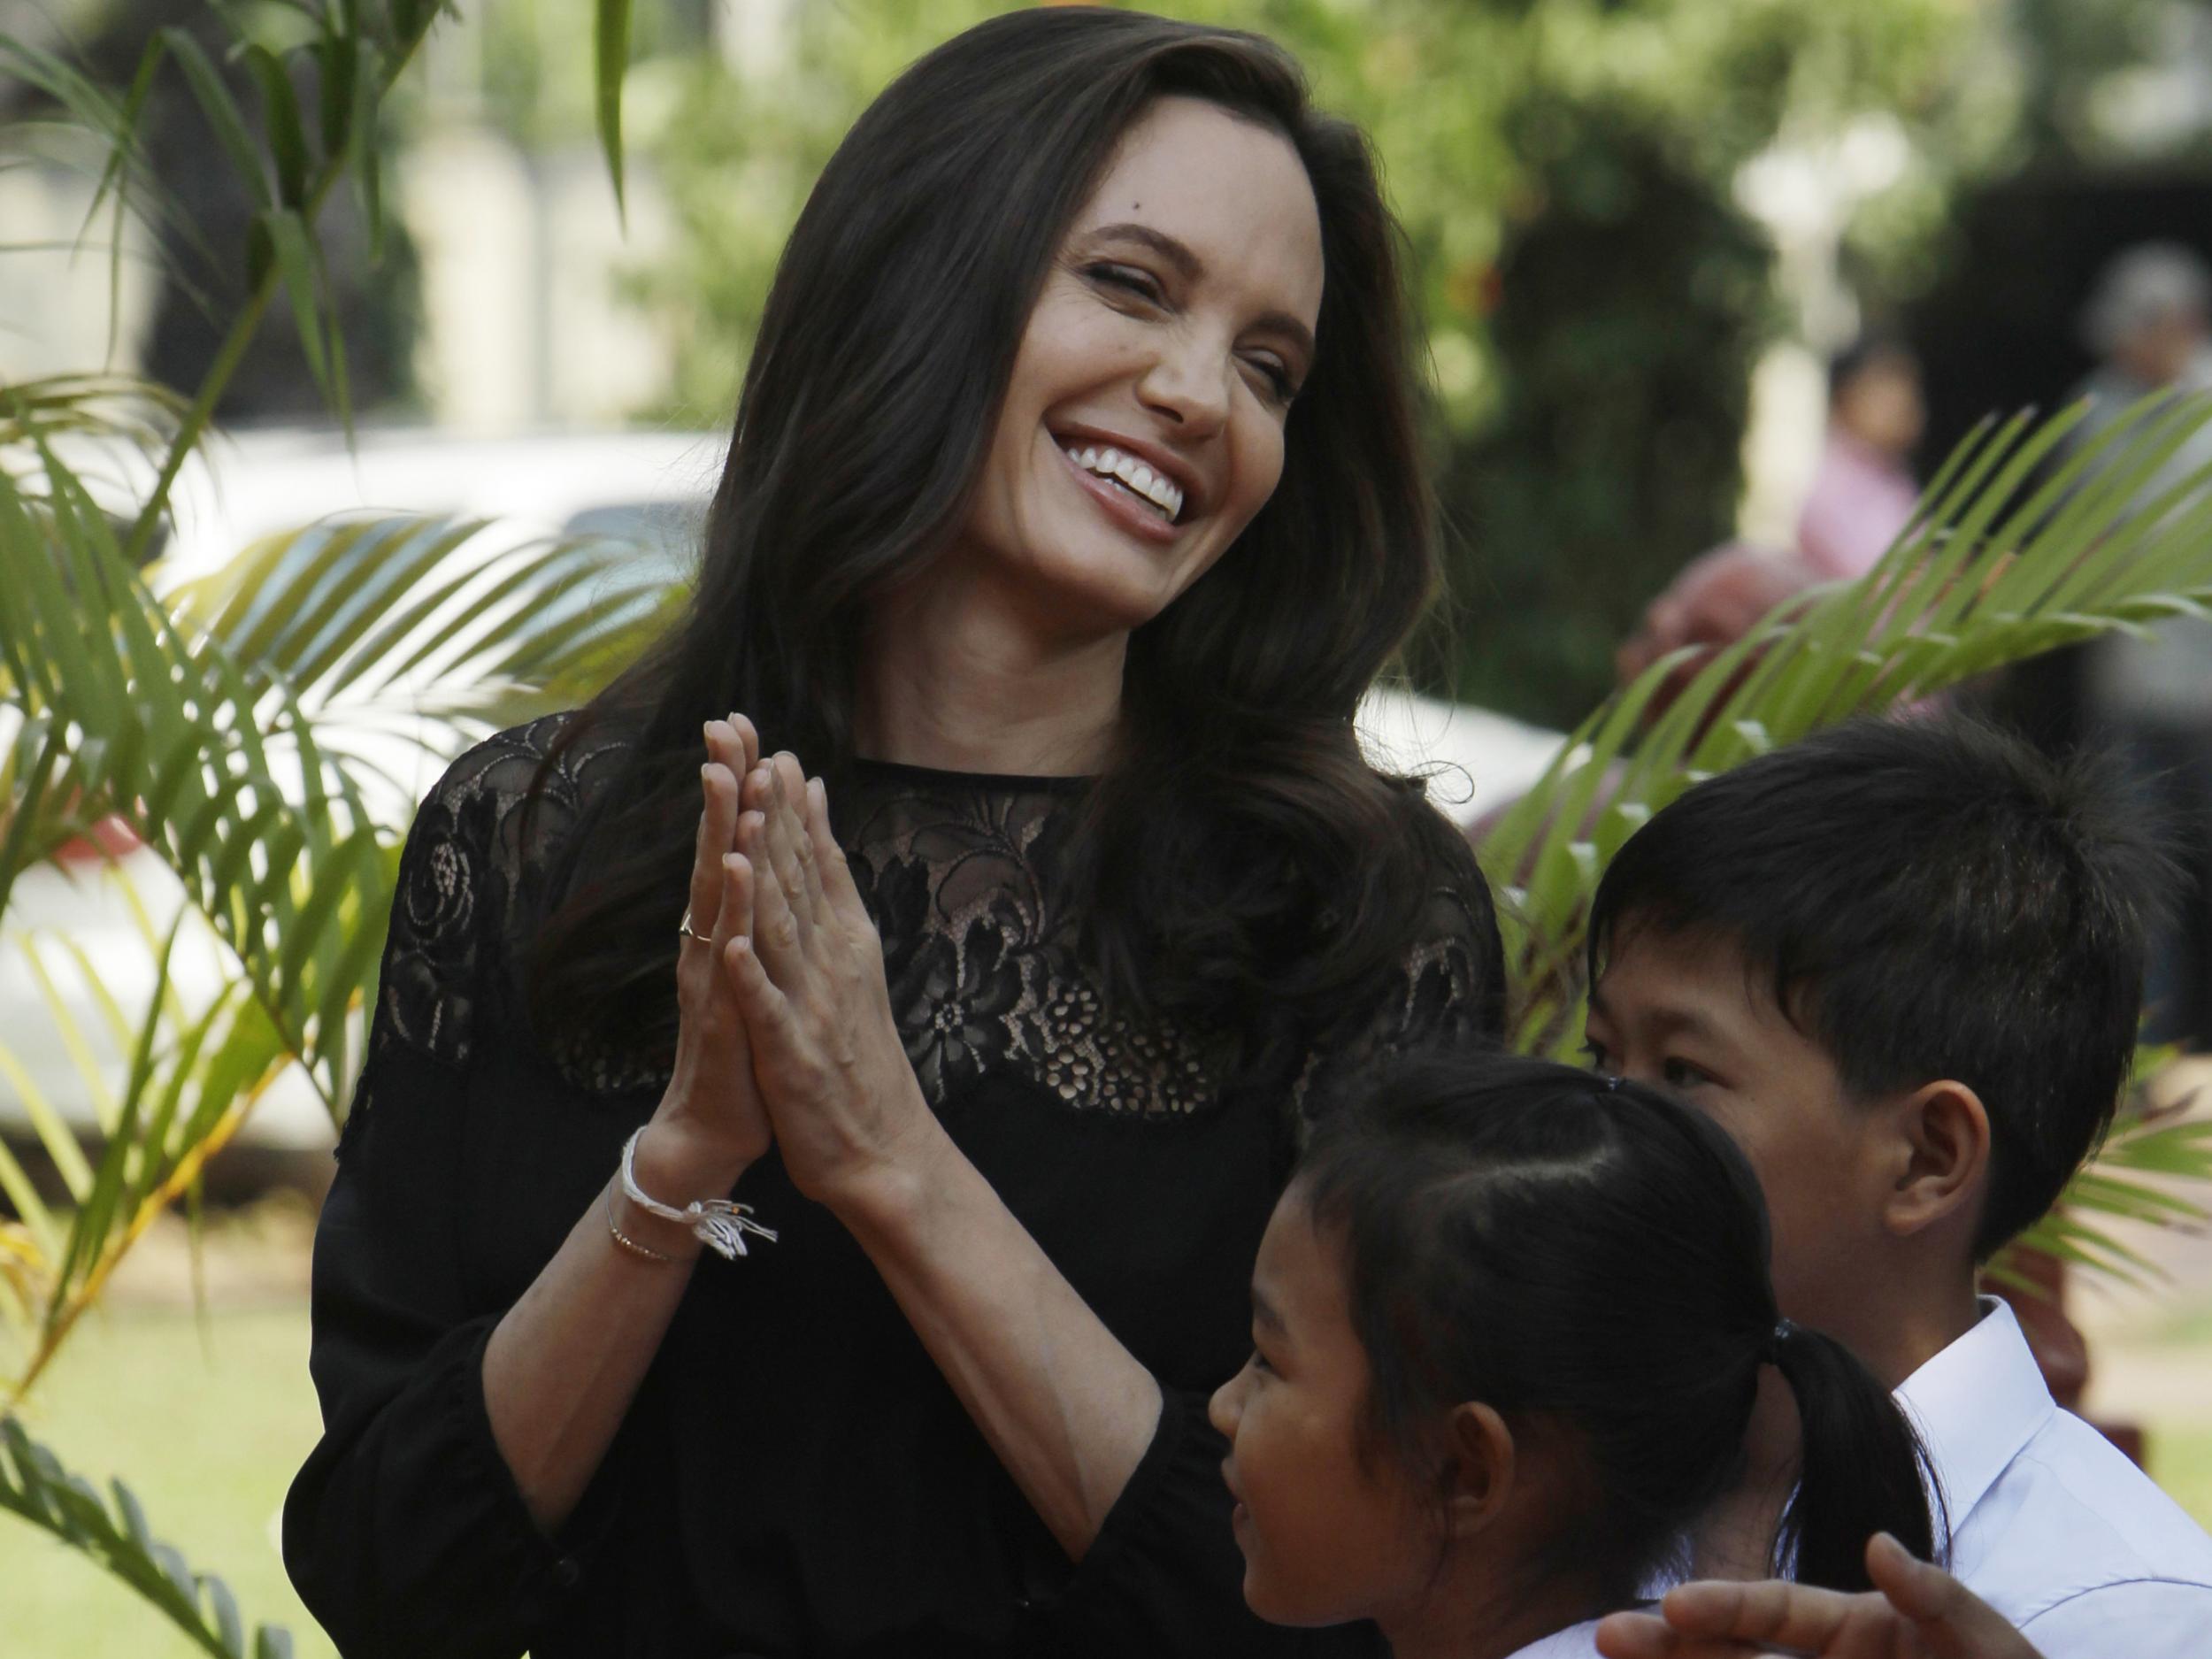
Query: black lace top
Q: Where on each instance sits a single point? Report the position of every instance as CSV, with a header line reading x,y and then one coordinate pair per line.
x,y
794,1476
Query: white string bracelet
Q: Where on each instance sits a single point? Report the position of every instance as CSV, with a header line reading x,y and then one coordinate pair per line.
x,y
716,1223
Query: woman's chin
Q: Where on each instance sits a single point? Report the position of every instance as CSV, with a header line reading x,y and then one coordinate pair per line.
x,y
1099,597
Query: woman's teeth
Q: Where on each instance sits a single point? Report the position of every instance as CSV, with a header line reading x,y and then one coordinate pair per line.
x,y
1126,469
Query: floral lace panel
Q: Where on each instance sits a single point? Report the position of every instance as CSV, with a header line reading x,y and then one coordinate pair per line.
x,y
981,957
979,951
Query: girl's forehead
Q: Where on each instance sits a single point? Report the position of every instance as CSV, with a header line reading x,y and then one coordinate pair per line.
x,y
1299,1271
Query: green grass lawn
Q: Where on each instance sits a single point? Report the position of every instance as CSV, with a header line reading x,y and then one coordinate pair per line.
x,y
207,1432
207,1425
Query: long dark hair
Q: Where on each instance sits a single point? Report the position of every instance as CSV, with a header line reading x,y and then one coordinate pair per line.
x,y
1240,860
1588,1256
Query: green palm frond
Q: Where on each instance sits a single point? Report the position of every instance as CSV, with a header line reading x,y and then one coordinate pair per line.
x,y
118,710
115,1535
454,619
2023,543
107,406
192,1065
238,727
2132,1178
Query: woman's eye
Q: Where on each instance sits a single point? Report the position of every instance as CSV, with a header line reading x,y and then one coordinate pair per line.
x,y
1258,1362
1280,386
1128,278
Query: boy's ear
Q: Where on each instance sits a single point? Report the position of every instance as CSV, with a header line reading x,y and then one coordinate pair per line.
x,y
1942,1157
1479,1473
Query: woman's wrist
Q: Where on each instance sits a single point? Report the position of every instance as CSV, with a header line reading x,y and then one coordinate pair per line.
x,y
680,1161
884,1202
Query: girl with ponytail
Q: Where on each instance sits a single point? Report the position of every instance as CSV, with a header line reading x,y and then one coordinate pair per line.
x,y
1509,1321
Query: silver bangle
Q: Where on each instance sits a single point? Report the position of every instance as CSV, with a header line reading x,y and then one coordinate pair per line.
x,y
716,1223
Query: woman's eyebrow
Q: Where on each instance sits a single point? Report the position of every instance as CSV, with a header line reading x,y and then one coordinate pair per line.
x,y
1187,265
1191,268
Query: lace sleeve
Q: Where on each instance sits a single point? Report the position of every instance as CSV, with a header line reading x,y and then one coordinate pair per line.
x,y
405,1532
462,877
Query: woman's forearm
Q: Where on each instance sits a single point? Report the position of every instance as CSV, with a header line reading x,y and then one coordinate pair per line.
x,y
562,1367
1066,1408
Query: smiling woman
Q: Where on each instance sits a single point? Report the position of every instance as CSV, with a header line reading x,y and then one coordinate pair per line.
x,y
1072,504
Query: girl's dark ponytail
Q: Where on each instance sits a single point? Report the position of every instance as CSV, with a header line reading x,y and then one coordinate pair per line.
x,y
1862,1470
1582,1250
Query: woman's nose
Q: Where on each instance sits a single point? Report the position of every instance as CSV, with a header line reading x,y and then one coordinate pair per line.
x,y
1189,383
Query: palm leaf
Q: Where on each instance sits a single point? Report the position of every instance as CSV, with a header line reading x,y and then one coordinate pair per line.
x,y
115,1534
2132,1179
458,619
1987,573
218,721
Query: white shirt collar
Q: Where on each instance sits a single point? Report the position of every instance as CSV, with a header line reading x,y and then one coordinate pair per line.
x,y
1976,1404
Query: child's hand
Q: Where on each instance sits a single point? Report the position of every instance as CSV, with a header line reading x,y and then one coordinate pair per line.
x,y
1915,1612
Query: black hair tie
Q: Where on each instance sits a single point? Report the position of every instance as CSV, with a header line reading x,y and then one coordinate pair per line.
x,y
1784,1331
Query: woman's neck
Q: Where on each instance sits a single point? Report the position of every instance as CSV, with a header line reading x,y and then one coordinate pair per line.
x,y
955,677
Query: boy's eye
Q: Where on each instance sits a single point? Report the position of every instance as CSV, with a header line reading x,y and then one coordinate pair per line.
x,y
1681,1074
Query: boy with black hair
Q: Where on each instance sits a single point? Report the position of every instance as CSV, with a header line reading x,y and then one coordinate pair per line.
x,y
1902,963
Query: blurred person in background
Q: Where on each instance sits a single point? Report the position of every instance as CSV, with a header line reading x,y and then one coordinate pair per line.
x,y
2149,320
1074,500
1862,495
1863,492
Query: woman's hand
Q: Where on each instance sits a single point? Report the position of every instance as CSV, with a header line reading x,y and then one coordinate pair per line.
x,y
806,965
1914,1611
711,1125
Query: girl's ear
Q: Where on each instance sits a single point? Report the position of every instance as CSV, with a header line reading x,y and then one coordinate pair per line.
x,y
1478,1475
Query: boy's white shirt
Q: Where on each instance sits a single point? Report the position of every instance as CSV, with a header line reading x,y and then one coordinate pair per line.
x,y
2050,1525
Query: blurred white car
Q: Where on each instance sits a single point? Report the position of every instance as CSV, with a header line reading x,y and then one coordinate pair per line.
x,y
650,488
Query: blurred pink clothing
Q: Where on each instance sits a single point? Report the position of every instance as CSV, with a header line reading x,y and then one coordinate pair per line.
x,y
1860,499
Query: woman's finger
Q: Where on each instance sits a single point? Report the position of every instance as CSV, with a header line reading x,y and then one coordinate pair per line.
x,y
777,938
794,792
1952,1619
734,918
839,892
730,743
1792,1617
1647,1636
1636,1636
747,741
792,848
1914,1588
718,827
764,795
763,1007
